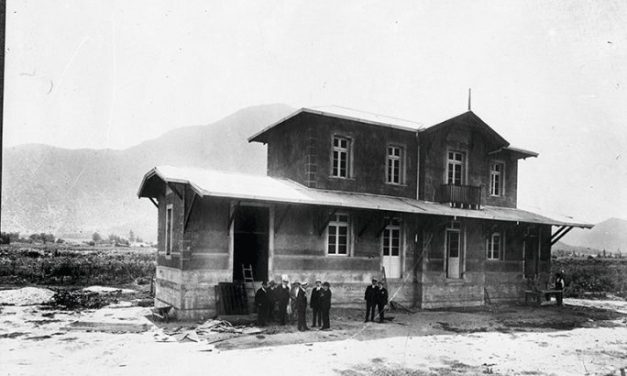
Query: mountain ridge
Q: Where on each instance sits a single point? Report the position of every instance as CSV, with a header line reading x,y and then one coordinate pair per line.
x,y
79,191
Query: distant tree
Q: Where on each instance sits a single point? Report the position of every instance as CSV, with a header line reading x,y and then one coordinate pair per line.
x,y
46,238
60,241
96,237
138,239
35,238
14,236
131,236
5,238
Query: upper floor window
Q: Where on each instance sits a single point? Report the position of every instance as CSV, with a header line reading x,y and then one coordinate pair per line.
x,y
338,238
495,245
395,165
455,168
340,163
168,229
496,178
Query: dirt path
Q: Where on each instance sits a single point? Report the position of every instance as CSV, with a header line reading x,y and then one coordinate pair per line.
x,y
508,340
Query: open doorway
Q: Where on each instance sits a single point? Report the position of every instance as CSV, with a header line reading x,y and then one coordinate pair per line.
x,y
250,242
531,256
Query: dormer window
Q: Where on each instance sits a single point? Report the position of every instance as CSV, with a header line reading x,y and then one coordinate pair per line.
x,y
395,169
340,159
496,178
455,168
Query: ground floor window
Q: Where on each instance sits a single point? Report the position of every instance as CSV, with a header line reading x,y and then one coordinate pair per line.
x,y
338,239
168,229
453,250
495,246
391,249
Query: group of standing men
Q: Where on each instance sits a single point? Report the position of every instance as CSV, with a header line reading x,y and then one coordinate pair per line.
x,y
269,297
376,296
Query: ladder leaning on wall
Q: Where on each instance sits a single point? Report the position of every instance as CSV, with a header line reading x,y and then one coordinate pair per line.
x,y
247,273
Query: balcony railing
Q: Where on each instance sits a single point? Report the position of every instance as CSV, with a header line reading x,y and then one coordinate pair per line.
x,y
463,196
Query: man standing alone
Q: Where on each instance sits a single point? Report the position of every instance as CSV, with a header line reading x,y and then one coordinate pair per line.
x,y
314,303
301,306
382,300
371,299
325,305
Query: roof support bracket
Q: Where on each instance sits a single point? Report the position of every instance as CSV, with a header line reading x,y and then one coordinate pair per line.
x,y
154,202
175,190
557,238
189,211
277,226
232,216
365,226
558,232
386,222
326,222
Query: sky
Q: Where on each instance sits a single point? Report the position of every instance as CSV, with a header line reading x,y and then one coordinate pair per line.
x,y
548,76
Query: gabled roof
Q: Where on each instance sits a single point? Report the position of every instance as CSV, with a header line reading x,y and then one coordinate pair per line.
x,y
269,189
473,120
342,113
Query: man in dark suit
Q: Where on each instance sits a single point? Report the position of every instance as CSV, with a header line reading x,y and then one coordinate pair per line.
x,y
262,302
314,303
371,299
325,305
382,300
282,294
272,301
301,306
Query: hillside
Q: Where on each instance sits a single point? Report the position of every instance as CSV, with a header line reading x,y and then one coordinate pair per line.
x,y
610,235
81,191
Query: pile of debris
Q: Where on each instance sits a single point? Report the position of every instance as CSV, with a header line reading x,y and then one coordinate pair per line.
x,y
210,331
78,299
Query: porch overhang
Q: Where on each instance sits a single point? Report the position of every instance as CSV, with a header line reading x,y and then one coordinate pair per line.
x,y
241,187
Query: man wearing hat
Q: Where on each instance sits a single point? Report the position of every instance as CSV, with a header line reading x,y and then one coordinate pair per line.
x,y
301,306
325,304
262,302
314,303
282,295
272,301
382,299
371,299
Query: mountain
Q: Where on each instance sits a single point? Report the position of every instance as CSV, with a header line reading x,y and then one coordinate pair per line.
x,y
610,235
77,192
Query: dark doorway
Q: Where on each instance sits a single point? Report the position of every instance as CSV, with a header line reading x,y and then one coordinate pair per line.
x,y
250,242
531,256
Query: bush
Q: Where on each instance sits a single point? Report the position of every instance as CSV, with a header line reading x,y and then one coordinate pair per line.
x,y
53,265
592,275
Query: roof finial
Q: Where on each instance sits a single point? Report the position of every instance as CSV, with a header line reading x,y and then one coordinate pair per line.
x,y
469,99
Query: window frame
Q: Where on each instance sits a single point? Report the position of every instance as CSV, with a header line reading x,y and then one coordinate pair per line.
x,y
462,163
348,150
490,246
400,158
394,225
501,175
168,244
337,224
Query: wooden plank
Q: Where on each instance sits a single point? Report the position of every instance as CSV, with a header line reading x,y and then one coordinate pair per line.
x,y
154,202
175,190
189,211
561,235
277,225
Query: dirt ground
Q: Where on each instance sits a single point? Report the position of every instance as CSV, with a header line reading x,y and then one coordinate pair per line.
x,y
584,337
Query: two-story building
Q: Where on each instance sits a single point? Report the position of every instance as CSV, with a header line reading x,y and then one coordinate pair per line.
x,y
349,196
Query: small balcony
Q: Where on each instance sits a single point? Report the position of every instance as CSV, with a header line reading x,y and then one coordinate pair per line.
x,y
460,196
